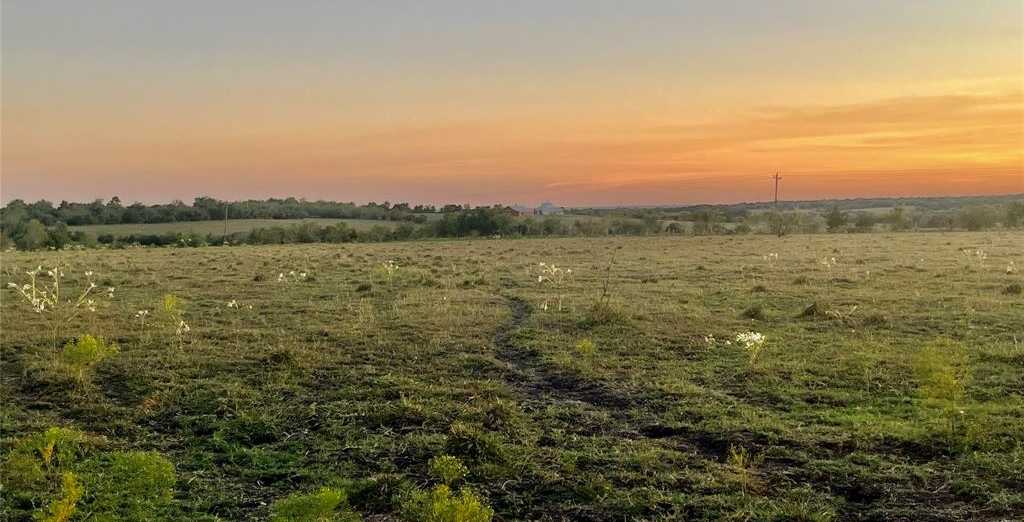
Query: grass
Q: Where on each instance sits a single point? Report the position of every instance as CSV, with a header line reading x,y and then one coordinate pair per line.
x,y
216,227
353,389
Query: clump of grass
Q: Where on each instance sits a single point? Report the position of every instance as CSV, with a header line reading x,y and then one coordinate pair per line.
x,y
743,469
402,414
81,356
603,313
133,485
585,347
942,371
876,319
473,443
803,505
755,312
811,310
800,280
759,289
173,309
502,416
364,288
379,493
1013,289
63,508
324,504
448,469
173,314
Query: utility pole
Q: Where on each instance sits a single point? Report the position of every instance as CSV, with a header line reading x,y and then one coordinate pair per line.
x,y
225,221
776,177
775,205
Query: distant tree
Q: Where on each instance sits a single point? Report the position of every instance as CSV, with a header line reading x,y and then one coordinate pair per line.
x,y
977,217
651,224
835,219
43,211
1015,214
865,222
705,222
34,236
897,219
14,215
59,236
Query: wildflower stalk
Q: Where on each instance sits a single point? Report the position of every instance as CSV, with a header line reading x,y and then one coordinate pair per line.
x,y
46,300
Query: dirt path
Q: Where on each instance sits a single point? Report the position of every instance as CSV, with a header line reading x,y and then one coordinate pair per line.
x,y
540,382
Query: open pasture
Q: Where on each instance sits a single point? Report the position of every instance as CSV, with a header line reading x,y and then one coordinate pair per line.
x,y
822,377
216,227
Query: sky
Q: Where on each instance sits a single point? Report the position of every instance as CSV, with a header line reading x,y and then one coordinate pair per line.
x,y
579,102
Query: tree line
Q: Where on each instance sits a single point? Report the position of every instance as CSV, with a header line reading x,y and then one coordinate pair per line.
x,y
39,225
114,211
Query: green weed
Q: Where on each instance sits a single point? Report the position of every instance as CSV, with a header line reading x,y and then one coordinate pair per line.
x,y
448,469
440,505
323,505
81,356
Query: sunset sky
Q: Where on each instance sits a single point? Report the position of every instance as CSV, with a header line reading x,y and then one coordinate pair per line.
x,y
577,102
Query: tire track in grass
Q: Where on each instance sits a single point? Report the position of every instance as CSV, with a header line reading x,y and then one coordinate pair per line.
x,y
542,384
539,382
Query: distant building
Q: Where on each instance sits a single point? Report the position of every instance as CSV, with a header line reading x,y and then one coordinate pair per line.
x,y
547,209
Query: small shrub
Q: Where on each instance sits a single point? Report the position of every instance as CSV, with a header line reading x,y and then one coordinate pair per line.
x,y
51,451
172,308
585,347
1013,289
759,289
439,505
800,280
81,356
448,469
363,288
60,510
325,504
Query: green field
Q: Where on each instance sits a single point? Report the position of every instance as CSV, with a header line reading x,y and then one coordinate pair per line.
x,y
888,385
216,227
